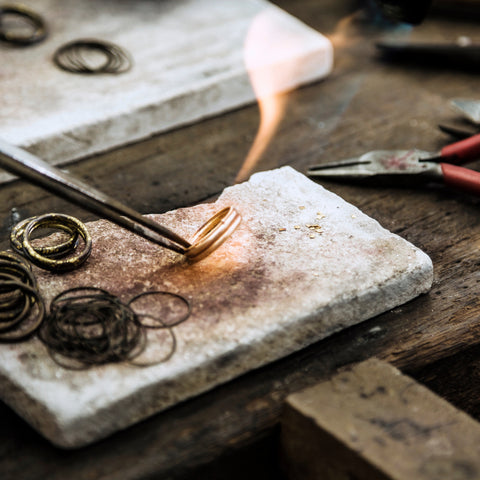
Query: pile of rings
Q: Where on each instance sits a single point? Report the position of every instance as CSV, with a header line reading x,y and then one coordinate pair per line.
x,y
22,309
89,326
91,56
85,326
64,256
20,26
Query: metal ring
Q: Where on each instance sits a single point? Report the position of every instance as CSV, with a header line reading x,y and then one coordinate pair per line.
x,y
33,19
213,233
18,231
73,57
18,333
15,258
89,326
19,271
15,307
59,265
163,323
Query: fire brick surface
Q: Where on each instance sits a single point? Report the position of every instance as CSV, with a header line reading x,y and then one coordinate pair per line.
x,y
302,265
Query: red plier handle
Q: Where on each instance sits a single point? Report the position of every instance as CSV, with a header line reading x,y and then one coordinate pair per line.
x,y
462,151
461,178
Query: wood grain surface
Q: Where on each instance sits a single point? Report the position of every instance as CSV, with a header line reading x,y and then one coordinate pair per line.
x,y
365,104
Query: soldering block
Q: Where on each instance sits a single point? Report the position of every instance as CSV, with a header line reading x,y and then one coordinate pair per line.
x,y
302,265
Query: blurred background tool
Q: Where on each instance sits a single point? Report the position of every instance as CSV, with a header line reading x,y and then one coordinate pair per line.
x,y
462,54
409,11
469,124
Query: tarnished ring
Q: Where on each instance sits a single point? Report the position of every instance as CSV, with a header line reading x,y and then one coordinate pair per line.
x,y
18,231
35,21
51,220
19,333
213,233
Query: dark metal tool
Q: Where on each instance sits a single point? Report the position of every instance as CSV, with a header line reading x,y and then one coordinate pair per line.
x,y
386,166
462,54
209,237
410,11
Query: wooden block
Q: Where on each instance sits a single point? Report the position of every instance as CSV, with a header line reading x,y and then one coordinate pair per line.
x,y
372,422
191,59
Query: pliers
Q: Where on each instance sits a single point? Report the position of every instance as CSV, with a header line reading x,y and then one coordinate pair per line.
x,y
383,166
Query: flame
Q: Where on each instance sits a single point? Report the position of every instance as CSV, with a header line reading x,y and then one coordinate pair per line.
x,y
343,36
276,61
271,113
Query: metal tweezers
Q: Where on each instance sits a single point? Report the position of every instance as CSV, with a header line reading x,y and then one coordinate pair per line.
x,y
209,237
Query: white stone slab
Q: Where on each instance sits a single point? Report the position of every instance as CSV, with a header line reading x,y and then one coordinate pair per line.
x,y
189,63
274,287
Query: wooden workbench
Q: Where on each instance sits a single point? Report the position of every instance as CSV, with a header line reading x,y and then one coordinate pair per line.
x,y
365,104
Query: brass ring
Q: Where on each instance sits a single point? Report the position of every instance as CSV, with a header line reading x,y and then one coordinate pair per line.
x,y
36,23
213,233
18,231
60,265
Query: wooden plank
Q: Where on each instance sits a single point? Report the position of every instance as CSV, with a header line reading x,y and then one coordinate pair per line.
x,y
370,422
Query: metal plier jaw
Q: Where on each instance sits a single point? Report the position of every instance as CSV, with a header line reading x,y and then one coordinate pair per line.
x,y
394,166
381,164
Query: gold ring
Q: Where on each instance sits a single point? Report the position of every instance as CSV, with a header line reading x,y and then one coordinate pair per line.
x,y
213,233
18,231
52,220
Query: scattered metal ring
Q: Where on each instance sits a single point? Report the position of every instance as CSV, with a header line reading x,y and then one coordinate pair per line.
x,y
163,323
19,271
15,258
22,334
59,265
89,326
35,21
15,306
73,57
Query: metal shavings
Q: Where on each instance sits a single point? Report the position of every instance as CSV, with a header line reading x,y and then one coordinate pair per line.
x,y
282,229
301,207
315,227
320,215
297,227
312,235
